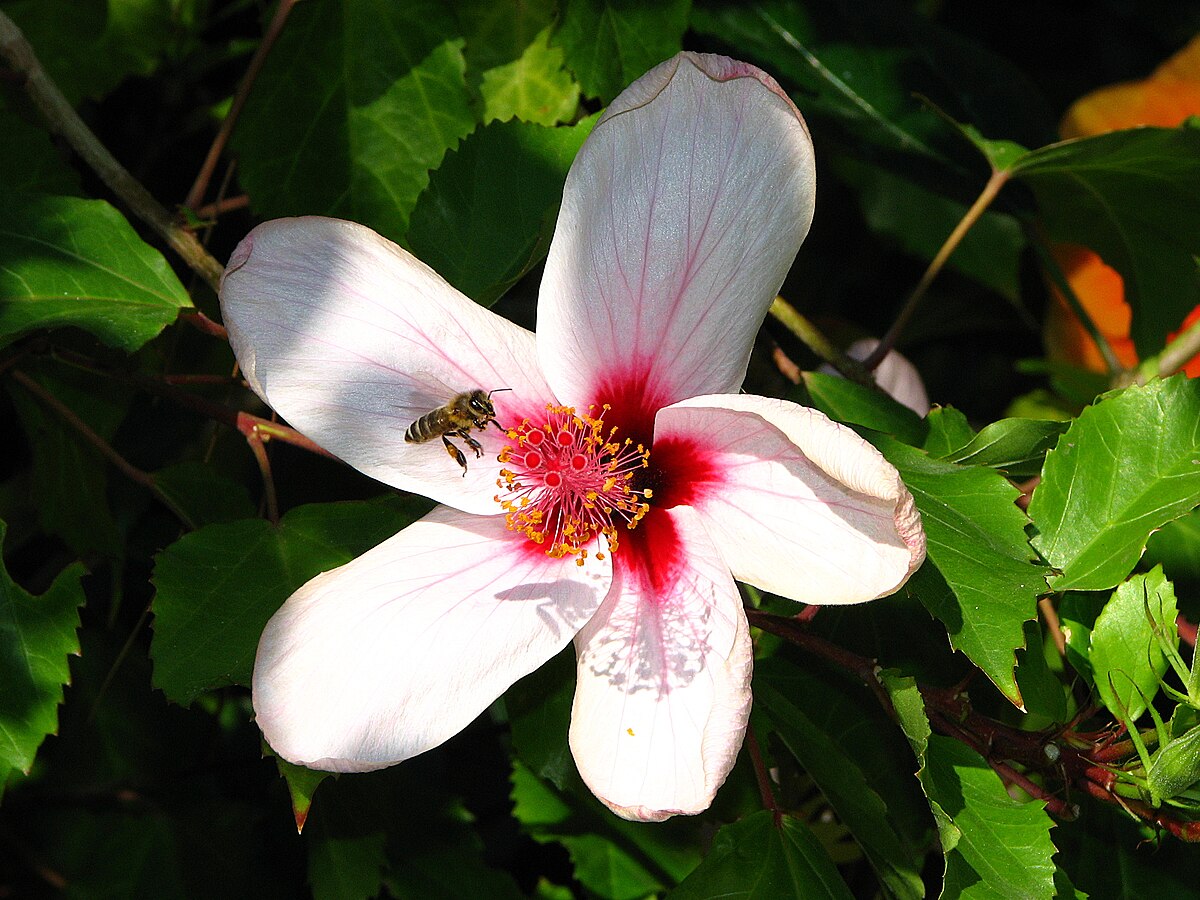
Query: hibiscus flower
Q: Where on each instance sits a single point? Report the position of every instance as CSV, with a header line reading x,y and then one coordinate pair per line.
x,y
627,485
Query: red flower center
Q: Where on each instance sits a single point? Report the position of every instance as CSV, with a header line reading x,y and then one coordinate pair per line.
x,y
568,480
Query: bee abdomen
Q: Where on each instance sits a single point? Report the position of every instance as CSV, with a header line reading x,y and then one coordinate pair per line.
x,y
425,428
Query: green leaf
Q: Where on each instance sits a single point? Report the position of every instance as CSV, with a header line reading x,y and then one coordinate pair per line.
x,y
994,846
69,487
1125,467
754,858
1127,661
1134,198
856,404
203,494
823,728
1016,447
919,221
354,106
1077,612
612,857
500,31
979,581
1176,767
1044,695
302,784
489,211
534,88
29,161
90,46
609,43
216,588
37,634
66,261
949,430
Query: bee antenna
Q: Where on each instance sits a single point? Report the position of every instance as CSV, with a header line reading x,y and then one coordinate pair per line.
x,y
496,391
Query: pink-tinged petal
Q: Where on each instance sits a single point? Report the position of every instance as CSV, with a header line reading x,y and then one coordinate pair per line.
x,y
393,653
351,339
664,669
680,218
798,505
895,375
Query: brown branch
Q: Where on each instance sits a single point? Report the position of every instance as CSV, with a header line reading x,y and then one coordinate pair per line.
x,y
101,446
274,29
762,776
62,120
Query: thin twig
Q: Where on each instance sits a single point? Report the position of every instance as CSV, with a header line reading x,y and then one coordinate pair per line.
x,y
1051,267
274,29
762,776
62,120
134,474
1178,353
997,180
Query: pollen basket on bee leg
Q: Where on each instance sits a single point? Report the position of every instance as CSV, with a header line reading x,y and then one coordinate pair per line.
x,y
567,480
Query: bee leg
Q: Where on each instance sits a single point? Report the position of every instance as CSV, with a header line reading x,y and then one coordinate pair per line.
x,y
472,443
455,454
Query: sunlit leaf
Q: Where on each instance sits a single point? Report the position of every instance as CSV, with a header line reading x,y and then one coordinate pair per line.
x,y
1126,466
356,103
980,580
37,634
1126,658
66,261
533,88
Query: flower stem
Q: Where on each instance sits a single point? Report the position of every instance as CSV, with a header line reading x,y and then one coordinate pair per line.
x,y
997,180
62,120
1059,278
811,336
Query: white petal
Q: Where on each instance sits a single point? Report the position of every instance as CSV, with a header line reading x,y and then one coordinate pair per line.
x,y
798,505
395,652
895,375
664,669
351,339
680,218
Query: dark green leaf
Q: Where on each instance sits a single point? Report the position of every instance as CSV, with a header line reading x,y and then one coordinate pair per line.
x,y
67,261
1134,198
356,103
754,858
1127,660
994,846
203,494
1077,611
919,221
824,729
979,580
216,588
1044,695
500,31
613,858
90,46
70,478
29,161
37,634
855,404
1125,467
489,211
609,43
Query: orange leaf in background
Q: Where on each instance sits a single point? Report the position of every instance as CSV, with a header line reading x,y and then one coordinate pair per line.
x,y
1166,99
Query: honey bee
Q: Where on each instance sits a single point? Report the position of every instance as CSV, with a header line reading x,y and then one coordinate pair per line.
x,y
472,409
